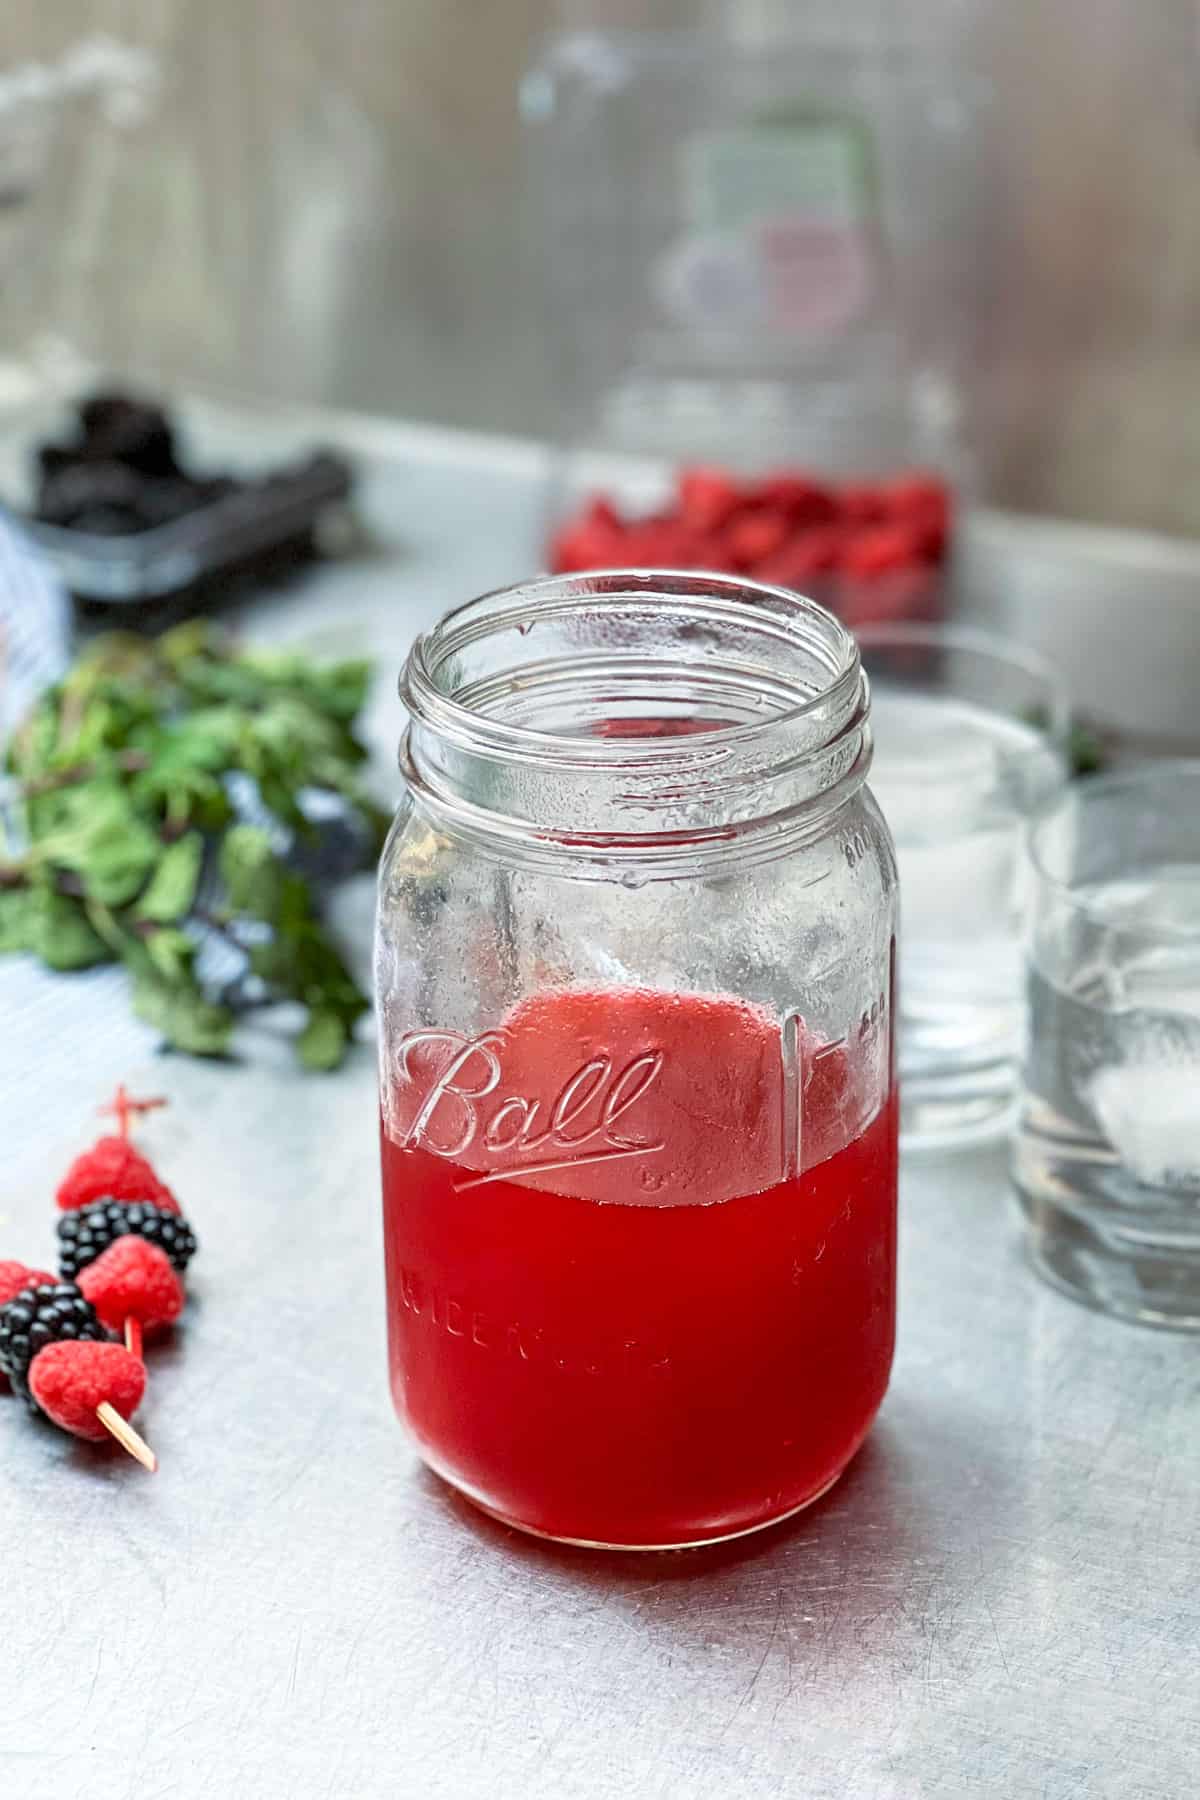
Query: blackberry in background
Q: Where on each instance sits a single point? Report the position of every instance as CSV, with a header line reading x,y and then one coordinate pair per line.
x,y
119,428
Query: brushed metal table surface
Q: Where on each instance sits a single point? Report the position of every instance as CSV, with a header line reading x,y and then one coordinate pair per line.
x,y
1001,1599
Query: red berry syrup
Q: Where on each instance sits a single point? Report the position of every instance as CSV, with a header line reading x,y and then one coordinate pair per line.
x,y
609,1319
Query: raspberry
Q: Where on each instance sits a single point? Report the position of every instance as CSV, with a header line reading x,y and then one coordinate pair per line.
x,y
880,550
655,544
707,497
69,1381
803,558
806,502
86,1232
755,536
922,503
133,1280
601,515
915,491
113,1170
38,1316
862,503
14,1276
592,540
579,547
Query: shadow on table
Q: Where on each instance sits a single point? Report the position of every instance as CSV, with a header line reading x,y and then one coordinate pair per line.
x,y
654,1565
884,1534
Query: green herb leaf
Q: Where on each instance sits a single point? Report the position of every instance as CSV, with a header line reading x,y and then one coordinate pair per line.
x,y
178,1009
33,744
183,797
342,689
172,890
251,871
183,643
63,935
171,954
294,915
315,973
100,837
207,740
18,929
270,962
322,1043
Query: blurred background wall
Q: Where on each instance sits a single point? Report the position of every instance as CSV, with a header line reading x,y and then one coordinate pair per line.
x,y
326,205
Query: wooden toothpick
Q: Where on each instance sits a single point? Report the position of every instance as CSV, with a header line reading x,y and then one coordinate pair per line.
x,y
126,1436
123,1107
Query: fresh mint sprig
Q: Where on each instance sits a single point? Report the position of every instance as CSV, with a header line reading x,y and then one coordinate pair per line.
x,y
132,849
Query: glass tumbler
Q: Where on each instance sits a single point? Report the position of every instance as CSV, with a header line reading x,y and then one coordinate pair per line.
x,y
1107,1152
970,736
634,965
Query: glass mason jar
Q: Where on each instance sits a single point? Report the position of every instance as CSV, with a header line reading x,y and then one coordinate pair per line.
x,y
635,962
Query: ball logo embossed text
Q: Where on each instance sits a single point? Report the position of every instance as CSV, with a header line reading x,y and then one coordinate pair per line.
x,y
461,1109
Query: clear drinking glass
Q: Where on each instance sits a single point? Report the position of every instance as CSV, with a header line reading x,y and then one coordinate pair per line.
x,y
970,737
1107,1153
634,970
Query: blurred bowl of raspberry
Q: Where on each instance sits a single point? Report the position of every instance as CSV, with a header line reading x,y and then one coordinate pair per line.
x,y
871,550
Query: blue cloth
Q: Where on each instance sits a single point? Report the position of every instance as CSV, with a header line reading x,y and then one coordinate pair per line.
x,y
35,625
43,1013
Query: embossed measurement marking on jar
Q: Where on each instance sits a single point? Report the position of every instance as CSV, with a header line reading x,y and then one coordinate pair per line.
x,y
460,1318
855,845
581,1123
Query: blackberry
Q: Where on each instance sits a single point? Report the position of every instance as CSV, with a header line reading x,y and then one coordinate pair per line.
x,y
46,1314
85,1233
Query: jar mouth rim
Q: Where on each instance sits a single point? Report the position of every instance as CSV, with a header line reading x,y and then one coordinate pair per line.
x,y
718,598
1079,797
